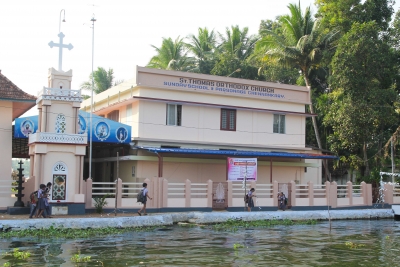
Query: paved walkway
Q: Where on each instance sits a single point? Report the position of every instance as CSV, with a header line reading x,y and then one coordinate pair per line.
x,y
163,219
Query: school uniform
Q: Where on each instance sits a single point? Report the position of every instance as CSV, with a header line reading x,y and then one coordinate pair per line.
x,y
250,203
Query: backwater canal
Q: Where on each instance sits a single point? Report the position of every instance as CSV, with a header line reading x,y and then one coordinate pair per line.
x,y
369,243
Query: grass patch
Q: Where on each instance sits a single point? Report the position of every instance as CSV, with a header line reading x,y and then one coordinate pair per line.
x,y
53,232
234,225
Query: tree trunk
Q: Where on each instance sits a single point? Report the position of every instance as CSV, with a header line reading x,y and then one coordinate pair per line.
x,y
314,121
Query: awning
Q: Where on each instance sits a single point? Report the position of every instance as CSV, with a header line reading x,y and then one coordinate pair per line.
x,y
238,153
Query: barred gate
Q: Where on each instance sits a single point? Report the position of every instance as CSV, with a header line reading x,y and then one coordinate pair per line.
x,y
220,195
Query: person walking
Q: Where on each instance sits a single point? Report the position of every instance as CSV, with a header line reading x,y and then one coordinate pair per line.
x,y
281,201
46,200
250,202
145,193
41,206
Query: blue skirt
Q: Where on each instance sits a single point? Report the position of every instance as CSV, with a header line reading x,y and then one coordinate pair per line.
x,y
41,205
251,203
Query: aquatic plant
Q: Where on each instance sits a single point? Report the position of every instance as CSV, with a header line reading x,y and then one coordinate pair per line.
x,y
53,232
7,264
20,255
236,224
79,258
352,245
237,246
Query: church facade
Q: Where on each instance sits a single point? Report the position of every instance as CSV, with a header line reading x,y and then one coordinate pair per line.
x,y
186,126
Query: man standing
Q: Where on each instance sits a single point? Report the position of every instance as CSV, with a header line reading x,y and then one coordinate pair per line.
x,y
145,193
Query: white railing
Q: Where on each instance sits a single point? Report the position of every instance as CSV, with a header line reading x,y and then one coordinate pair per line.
x,y
342,191
59,94
356,190
198,190
58,138
320,191
301,190
130,190
396,190
264,191
103,189
6,187
238,190
176,190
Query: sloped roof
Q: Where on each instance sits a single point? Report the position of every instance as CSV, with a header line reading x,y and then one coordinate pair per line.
x,y
9,91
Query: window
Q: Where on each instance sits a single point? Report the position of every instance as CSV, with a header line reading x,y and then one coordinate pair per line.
x,y
61,124
174,114
114,115
228,119
279,123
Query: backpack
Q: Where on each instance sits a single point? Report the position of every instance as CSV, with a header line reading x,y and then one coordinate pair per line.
x,y
285,200
34,197
140,197
246,198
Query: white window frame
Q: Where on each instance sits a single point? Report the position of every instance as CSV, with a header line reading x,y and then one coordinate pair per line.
x,y
176,119
279,124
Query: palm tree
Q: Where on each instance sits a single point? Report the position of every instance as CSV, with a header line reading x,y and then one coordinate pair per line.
x,y
234,53
172,55
103,80
202,47
301,45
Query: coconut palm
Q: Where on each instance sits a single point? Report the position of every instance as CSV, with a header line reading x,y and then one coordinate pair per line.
x,y
301,45
103,80
234,52
202,47
172,55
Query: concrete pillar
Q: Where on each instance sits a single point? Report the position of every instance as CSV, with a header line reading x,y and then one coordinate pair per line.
x,y
363,187
88,194
327,193
210,193
388,193
310,193
350,192
188,193
230,194
293,193
275,189
164,203
333,194
369,194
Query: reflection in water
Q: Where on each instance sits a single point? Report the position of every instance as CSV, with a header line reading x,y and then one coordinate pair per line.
x,y
301,245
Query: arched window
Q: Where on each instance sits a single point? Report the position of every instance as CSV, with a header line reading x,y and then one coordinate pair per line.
x,y
61,124
59,189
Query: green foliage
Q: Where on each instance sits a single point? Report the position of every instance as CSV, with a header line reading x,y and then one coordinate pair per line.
x,y
17,254
235,225
100,203
79,258
237,246
352,245
103,80
203,48
69,233
172,55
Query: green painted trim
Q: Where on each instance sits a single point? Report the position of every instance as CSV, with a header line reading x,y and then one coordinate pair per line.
x,y
207,161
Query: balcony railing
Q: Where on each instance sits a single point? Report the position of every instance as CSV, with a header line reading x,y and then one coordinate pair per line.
x,y
59,94
58,138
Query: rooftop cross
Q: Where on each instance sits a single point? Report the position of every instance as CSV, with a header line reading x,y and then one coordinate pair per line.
x,y
60,47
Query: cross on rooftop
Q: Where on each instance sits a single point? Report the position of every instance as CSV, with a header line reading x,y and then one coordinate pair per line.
x,y
60,47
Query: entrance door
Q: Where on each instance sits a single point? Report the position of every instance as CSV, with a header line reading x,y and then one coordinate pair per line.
x,y
286,188
220,194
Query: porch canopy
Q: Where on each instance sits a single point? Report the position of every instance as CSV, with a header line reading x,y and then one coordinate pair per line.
x,y
233,153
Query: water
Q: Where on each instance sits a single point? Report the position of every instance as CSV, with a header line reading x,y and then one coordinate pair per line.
x,y
300,245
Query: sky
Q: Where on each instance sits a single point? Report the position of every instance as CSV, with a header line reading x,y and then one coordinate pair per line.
x,y
123,33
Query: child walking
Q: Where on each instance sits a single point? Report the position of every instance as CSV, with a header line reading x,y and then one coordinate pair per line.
x,y
146,195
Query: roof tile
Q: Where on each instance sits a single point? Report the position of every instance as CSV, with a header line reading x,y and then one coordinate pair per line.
x,y
8,90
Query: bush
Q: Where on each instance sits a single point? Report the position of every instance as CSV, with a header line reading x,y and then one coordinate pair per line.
x,y
100,202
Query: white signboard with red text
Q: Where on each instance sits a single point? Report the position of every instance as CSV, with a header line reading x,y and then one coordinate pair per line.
x,y
239,168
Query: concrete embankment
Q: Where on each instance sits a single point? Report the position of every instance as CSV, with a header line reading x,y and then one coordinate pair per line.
x,y
192,217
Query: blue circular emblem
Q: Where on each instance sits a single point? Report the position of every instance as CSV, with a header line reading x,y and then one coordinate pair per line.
x,y
121,134
81,125
27,127
102,130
